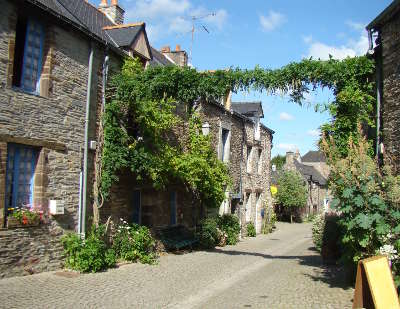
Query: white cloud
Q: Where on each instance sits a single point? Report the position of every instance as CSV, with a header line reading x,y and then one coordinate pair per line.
x,y
287,147
166,17
314,132
285,116
355,26
307,38
272,20
352,48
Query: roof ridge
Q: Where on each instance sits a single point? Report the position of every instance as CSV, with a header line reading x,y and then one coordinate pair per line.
x,y
124,26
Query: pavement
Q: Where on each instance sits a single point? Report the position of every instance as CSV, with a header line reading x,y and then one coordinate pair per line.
x,y
279,270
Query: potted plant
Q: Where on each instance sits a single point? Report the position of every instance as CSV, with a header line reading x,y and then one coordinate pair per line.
x,y
23,218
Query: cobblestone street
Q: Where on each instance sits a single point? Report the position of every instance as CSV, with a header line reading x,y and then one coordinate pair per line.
x,y
280,270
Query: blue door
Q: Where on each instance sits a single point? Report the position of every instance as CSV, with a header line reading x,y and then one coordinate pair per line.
x,y
21,163
173,220
136,207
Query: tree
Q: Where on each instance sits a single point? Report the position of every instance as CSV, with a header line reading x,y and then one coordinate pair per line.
x,y
292,192
279,161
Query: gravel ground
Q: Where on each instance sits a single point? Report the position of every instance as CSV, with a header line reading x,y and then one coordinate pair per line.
x,y
279,270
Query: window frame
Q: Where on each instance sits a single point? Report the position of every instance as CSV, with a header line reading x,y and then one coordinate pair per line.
x,y
249,155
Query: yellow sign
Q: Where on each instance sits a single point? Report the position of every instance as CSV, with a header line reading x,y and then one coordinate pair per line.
x,y
274,190
374,285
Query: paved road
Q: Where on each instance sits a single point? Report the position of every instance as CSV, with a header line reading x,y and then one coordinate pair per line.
x,y
279,270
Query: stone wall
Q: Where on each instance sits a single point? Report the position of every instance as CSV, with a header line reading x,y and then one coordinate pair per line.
x,y
391,91
25,251
53,121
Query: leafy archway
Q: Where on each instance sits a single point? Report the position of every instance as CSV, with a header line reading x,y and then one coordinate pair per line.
x,y
140,116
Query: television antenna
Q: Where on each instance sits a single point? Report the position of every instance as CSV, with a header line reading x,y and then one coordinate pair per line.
x,y
194,19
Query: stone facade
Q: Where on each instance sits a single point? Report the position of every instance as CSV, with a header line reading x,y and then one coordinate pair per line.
x,y
390,109
251,176
52,122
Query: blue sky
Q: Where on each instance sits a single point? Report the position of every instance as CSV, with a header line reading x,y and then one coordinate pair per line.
x,y
266,33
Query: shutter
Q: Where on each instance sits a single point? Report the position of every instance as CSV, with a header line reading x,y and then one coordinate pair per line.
x,y
32,63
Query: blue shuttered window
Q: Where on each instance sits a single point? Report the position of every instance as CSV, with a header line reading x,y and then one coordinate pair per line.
x,y
21,163
33,54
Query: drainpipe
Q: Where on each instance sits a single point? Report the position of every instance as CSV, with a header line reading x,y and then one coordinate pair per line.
x,y
86,145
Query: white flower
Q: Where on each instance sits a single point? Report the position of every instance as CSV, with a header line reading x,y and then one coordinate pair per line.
x,y
389,251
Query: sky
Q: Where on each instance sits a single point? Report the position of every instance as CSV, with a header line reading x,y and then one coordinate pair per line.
x,y
270,34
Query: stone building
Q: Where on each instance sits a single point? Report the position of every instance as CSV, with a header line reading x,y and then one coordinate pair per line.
x,y
53,54
386,51
315,171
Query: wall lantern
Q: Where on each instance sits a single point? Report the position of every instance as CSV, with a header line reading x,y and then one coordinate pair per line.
x,y
205,128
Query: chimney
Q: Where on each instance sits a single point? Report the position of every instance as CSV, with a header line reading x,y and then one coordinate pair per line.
x,y
114,12
289,165
178,56
228,100
297,155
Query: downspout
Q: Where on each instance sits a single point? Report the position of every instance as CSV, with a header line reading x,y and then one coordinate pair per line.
x,y
241,200
86,145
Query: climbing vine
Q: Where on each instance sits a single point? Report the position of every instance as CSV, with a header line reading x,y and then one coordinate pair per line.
x,y
144,113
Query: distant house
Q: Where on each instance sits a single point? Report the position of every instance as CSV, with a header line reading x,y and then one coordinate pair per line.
x,y
386,51
314,170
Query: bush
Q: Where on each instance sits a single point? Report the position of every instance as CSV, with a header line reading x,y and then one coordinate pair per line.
x,y
208,234
90,254
133,242
251,230
318,226
230,225
269,222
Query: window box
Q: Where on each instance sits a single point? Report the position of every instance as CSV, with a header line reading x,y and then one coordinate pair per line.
x,y
14,222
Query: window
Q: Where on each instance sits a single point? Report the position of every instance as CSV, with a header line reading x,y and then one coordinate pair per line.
x,y
257,129
248,207
173,220
28,55
225,145
258,207
259,161
21,164
249,155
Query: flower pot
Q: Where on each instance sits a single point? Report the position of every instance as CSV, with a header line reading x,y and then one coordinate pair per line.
x,y
14,222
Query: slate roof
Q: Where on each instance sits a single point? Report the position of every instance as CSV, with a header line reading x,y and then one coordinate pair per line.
x,y
87,18
124,36
310,172
384,16
159,58
313,156
249,109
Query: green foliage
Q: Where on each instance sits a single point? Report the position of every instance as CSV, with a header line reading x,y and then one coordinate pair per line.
x,y
279,161
269,222
140,125
292,192
251,230
209,234
90,254
368,200
133,242
229,224
318,226
141,112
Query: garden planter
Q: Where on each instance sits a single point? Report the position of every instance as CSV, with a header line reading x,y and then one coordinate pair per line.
x,y
14,222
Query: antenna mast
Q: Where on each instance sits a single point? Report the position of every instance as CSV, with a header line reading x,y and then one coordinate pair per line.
x,y
194,18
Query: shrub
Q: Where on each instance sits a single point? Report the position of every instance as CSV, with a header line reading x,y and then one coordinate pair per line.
x,y
318,226
368,200
251,230
269,222
133,242
230,225
208,234
90,254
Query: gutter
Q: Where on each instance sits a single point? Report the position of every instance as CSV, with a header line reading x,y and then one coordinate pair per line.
x,y
86,144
